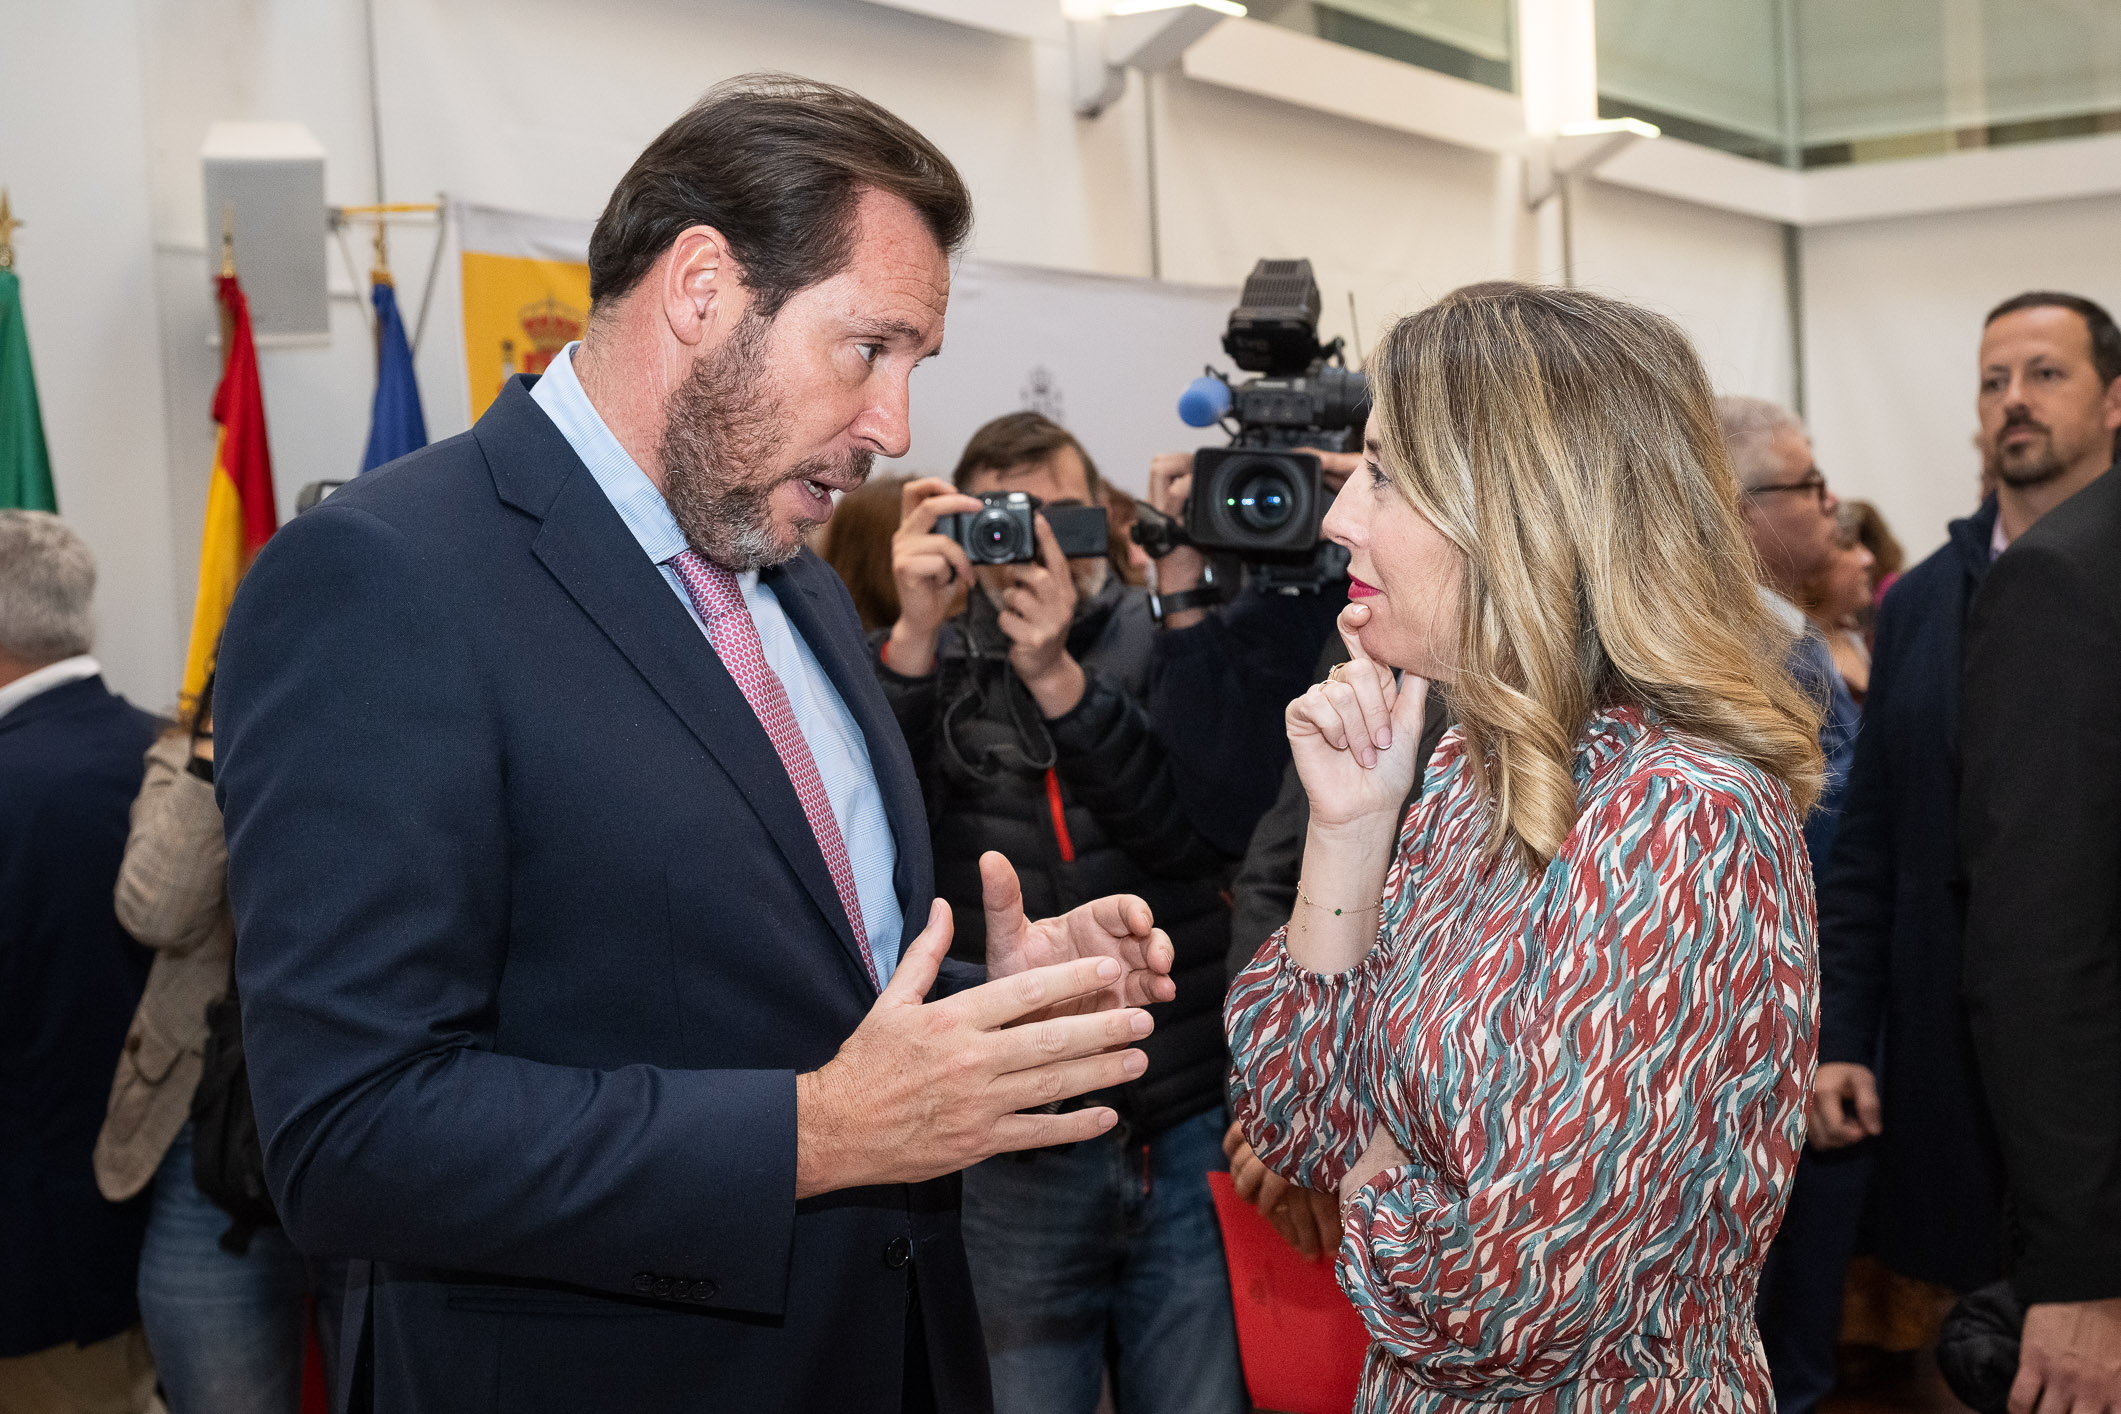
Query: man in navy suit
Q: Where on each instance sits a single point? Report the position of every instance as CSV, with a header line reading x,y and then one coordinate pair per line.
x,y
585,910
70,977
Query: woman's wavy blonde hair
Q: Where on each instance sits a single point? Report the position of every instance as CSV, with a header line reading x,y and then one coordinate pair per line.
x,y
1567,444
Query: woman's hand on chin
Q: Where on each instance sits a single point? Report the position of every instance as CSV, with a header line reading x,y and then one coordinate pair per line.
x,y
1354,736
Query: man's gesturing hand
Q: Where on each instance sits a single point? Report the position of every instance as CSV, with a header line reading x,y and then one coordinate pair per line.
x,y
1117,926
926,1088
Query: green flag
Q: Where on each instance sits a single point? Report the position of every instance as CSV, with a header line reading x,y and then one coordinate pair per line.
x,y
25,468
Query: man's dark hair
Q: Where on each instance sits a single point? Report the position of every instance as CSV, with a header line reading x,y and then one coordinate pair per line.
x,y
2106,339
775,163
1019,439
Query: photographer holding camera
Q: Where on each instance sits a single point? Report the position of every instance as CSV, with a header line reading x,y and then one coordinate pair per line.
x,y
1029,720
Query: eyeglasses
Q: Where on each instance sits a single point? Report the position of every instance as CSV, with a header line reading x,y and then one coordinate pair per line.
x,y
1814,483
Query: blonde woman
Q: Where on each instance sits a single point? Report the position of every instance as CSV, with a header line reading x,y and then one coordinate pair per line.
x,y
1553,1048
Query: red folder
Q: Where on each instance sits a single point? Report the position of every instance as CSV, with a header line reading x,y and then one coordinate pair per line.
x,y
1301,1342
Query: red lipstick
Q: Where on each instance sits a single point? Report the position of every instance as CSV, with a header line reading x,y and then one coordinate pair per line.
x,y
1357,589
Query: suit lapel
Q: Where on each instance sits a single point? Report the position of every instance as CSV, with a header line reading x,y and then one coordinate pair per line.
x,y
806,587
587,548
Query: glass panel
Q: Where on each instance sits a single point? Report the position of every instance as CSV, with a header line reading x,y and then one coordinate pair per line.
x,y
1467,39
1712,74
1902,78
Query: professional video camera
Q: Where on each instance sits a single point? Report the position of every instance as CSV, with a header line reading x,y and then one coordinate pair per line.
x,y
1262,497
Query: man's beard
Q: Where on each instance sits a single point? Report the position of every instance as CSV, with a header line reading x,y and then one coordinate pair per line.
x,y
2034,464
721,422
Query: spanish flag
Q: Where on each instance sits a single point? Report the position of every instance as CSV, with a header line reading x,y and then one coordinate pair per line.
x,y
239,495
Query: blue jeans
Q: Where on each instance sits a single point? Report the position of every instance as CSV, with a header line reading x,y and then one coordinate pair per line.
x,y
1102,1250
227,1331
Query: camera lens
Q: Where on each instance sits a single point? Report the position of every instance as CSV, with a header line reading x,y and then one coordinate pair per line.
x,y
996,537
1264,502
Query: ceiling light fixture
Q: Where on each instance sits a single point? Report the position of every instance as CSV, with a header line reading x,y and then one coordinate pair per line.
x,y
1134,34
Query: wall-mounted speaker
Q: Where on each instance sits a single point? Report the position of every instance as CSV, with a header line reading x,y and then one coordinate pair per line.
x,y
266,181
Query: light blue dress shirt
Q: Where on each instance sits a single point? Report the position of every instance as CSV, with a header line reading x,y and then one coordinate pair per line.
x,y
835,738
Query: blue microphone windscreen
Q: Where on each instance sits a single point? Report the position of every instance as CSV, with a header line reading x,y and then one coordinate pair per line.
x,y
1204,402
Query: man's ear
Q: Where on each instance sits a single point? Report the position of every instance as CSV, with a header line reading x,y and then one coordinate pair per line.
x,y
2113,405
703,289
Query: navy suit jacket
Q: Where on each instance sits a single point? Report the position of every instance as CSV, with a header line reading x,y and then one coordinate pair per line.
x,y
2040,834
533,940
1890,929
70,977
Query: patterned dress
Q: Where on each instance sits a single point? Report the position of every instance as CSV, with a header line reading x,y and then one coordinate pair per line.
x,y
1599,1075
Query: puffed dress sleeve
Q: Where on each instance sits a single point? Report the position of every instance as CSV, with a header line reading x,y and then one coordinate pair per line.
x,y
1299,1040
1620,1130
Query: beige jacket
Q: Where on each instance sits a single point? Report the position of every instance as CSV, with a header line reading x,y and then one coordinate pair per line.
x,y
172,896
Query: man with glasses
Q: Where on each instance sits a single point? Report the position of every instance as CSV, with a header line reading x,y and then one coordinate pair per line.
x,y
1790,516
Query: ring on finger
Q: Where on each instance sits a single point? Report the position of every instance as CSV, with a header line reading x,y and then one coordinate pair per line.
x,y
1333,673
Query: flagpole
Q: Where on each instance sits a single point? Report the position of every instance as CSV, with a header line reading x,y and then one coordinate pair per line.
x,y
380,276
228,272
381,213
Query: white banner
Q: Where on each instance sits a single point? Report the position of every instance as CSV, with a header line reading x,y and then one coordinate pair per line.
x,y
1106,357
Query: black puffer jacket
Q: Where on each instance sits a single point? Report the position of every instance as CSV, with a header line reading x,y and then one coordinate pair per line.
x,y
1083,806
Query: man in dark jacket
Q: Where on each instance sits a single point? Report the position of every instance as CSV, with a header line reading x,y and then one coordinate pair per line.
x,y
578,864
70,765
1027,721
1889,921
2041,824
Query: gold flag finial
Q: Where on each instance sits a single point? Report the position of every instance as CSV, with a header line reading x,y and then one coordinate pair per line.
x,y
8,223
381,274
228,242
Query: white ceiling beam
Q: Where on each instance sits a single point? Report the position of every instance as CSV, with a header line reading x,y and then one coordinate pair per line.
x,y
1255,57
1964,181
1687,171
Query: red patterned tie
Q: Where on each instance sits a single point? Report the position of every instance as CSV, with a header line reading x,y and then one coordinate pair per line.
x,y
720,600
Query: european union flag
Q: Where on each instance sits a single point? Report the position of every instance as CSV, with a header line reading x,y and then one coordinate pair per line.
x,y
396,426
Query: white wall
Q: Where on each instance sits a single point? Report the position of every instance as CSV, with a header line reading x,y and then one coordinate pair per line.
x,y
1893,315
72,158
1720,275
540,105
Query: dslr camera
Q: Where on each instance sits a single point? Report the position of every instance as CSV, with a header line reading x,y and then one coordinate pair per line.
x,y
1262,497
1004,530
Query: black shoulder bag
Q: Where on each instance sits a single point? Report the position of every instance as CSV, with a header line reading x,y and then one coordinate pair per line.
x,y
228,1162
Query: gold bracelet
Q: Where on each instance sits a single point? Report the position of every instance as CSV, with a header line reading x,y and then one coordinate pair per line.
x,y
1337,912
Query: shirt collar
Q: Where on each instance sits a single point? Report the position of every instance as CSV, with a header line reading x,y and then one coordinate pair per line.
x,y
1998,542
624,484
1792,617
46,678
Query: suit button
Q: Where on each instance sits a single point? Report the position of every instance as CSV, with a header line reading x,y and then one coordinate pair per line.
x,y
644,1283
704,1290
664,1286
897,1252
